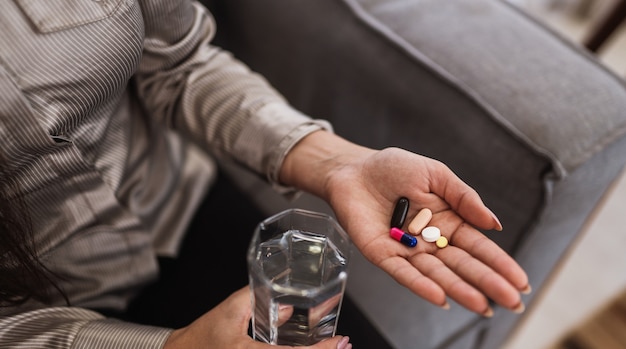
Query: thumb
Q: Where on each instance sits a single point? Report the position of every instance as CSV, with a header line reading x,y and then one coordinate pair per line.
x,y
463,199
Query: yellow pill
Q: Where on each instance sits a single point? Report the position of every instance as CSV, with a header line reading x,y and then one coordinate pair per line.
x,y
420,221
442,242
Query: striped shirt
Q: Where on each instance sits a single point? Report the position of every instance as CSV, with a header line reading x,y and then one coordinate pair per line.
x,y
104,108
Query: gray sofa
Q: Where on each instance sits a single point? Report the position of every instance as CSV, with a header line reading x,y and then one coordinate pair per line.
x,y
532,122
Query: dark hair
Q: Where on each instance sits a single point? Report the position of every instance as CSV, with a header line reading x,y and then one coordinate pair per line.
x,y
22,274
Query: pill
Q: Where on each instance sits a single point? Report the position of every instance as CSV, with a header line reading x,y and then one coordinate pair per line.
x,y
403,237
399,213
420,221
442,242
431,234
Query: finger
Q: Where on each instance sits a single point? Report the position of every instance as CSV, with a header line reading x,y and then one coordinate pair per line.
x,y
241,295
239,308
480,276
462,198
317,313
240,301
475,243
284,314
487,251
252,344
410,277
330,343
453,285
481,263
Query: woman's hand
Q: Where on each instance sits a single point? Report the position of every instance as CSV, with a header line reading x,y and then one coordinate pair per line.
x,y
226,327
363,185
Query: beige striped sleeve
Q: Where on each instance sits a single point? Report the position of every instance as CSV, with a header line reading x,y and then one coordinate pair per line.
x,y
76,328
216,100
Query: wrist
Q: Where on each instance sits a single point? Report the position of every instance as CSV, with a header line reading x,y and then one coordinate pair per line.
x,y
312,163
174,340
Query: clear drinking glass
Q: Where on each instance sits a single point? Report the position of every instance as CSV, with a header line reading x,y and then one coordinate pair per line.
x,y
297,265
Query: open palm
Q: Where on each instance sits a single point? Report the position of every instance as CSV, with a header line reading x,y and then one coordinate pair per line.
x,y
471,270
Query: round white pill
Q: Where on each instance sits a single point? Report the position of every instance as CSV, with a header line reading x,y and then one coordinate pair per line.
x,y
431,234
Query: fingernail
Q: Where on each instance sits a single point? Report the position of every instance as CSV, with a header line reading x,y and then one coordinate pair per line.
x,y
445,306
496,220
527,289
343,343
349,346
519,309
488,312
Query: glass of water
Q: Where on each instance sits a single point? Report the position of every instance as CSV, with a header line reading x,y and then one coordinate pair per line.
x,y
297,265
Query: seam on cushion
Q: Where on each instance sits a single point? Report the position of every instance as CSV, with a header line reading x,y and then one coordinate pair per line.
x,y
415,54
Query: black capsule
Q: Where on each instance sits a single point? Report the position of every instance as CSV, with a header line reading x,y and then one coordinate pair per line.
x,y
399,213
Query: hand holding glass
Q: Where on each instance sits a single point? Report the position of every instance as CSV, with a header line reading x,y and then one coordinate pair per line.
x,y
297,262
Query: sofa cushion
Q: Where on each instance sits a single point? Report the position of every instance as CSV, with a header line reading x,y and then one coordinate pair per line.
x,y
565,113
